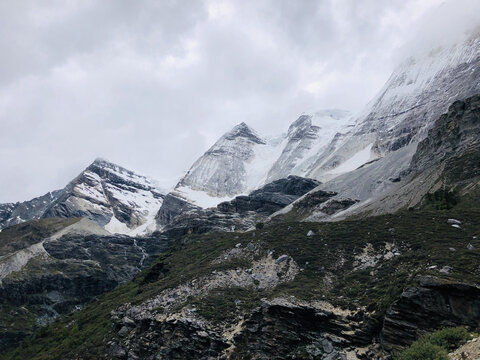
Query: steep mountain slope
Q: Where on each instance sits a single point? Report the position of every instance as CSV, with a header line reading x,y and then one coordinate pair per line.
x,y
445,165
116,198
417,93
308,137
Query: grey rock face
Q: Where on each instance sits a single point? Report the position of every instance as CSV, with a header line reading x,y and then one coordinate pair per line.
x,y
240,213
173,206
421,309
452,134
271,197
291,185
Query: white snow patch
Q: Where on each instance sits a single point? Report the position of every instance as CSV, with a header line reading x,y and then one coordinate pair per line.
x,y
200,198
263,159
357,160
115,226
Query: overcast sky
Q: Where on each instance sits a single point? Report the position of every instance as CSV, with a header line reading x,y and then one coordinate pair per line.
x,y
150,85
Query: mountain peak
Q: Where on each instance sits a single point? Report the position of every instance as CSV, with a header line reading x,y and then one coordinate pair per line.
x,y
105,165
245,131
100,160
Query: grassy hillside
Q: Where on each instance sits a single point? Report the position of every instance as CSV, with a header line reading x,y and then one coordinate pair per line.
x,y
404,245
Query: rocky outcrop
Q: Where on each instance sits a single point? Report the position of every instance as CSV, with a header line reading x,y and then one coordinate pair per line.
x,y
453,133
239,214
317,205
271,197
431,305
294,329
15,213
173,206
277,329
146,331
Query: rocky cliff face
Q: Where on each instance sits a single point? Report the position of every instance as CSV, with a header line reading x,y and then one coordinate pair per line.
x,y
241,213
116,198
452,134
429,304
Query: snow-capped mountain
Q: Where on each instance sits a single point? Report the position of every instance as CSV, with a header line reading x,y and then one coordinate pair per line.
x,y
354,155
386,134
235,164
116,198
418,91
242,161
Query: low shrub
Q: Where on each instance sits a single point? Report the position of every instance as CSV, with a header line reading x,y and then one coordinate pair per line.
x,y
436,345
449,338
421,350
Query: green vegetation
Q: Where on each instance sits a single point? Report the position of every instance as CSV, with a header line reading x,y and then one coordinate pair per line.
x,y
225,304
449,338
259,225
423,351
329,259
435,346
442,199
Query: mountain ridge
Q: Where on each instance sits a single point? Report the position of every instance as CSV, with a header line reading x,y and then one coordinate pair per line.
x,y
114,197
